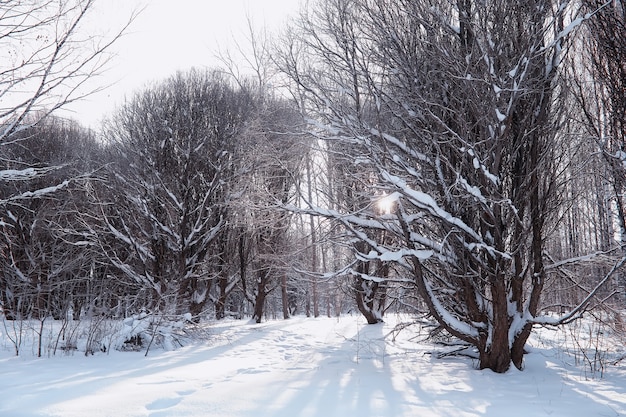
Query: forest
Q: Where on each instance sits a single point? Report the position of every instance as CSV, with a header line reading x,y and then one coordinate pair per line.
x,y
460,161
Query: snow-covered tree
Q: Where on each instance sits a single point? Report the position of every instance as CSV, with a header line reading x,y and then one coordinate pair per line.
x,y
330,74
451,112
603,101
48,252
175,145
270,170
46,57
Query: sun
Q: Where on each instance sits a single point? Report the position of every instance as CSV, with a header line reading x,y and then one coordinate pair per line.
x,y
386,203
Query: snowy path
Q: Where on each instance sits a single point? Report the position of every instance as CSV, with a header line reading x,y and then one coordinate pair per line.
x,y
300,367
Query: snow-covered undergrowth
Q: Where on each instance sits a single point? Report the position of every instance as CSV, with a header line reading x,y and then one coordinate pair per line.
x,y
311,367
45,338
592,345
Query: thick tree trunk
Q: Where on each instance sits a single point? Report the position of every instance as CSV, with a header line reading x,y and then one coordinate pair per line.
x,y
258,307
495,354
496,357
517,350
364,297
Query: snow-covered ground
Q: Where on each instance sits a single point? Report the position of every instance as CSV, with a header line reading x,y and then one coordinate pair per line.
x,y
303,367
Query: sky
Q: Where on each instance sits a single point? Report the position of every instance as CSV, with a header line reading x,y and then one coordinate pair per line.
x,y
168,36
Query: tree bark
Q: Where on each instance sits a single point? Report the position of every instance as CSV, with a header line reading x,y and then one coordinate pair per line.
x,y
284,296
261,294
365,295
220,305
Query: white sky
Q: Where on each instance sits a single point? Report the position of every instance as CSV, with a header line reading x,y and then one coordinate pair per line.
x,y
170,35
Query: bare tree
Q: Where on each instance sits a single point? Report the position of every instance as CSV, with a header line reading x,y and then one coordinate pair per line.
x,y
597,80
273,149
48,252
47,54
603,94
271,167
176,145
330,69
47,57
452,113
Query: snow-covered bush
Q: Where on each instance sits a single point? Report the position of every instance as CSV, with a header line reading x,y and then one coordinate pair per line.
x,y
145,331
96,335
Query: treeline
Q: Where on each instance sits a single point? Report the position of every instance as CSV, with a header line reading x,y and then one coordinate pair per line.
x,y
172,208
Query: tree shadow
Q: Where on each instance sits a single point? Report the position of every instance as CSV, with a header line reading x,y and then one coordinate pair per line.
x,y
346,370
351,379
73,377
381,379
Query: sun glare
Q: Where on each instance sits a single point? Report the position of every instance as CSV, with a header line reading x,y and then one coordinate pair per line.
x,y
386,203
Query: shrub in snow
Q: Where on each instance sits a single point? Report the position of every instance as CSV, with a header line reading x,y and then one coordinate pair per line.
x,y
144,331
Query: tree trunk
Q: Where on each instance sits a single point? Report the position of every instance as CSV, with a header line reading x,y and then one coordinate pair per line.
x,y
495,354
316,309
261,294
316,306
284,296
220,305
258,307
307,303
517,350
364,297
496,357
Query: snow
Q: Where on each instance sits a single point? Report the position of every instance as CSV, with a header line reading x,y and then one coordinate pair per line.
x,y
305,367
573,25
16,175
425,201
395,256
472,189
449,319
43,191
493,178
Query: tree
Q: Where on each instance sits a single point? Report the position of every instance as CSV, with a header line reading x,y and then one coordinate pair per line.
x,y
597,81
176,144
48,251
46,59
272,149
452,112
604,101
330,70
270,170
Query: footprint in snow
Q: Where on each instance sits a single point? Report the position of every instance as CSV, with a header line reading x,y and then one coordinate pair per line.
x,y
163,403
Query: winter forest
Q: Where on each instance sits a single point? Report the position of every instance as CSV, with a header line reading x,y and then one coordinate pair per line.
x,y
460,163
